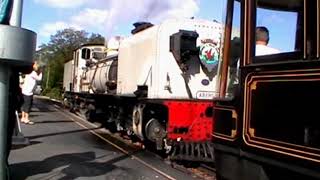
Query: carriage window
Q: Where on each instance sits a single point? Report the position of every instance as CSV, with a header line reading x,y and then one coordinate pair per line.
x,y
278,30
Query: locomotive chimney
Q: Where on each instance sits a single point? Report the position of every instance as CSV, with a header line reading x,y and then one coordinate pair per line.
x,y
140,26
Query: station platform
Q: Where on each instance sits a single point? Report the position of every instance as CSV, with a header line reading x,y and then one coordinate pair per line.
x,y
65,147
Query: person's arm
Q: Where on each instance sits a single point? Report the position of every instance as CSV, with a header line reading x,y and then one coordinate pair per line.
x,y
35,76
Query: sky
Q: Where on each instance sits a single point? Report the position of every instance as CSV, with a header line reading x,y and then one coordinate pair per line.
x,y
106,17
115,17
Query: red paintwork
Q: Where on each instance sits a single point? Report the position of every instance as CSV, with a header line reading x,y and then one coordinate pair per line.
x,y
190,115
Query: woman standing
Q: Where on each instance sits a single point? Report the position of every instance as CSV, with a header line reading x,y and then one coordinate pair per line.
x,y
27,92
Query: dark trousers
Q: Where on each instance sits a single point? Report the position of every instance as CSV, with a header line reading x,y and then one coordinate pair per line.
x,y
27,103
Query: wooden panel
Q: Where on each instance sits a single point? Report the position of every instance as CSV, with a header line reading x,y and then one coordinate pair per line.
x,y
281,113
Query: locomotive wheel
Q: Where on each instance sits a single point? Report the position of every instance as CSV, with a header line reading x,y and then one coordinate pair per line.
x,y
66,103
111,126
87,112
155,132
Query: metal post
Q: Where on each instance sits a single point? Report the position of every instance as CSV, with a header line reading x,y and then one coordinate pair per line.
x,y
17,47
16,14
4,89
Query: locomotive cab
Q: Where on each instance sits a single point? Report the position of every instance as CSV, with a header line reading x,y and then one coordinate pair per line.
x,y
265,122
82,58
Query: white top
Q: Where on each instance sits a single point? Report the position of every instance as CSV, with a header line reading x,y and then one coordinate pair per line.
x,y
265,50
30,82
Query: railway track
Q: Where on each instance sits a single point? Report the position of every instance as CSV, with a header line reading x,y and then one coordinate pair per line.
x,y
200,171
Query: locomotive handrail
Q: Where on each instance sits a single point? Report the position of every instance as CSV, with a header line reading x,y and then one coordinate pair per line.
x,y
94,75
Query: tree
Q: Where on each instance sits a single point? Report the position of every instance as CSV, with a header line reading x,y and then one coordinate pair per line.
x,y
96,39
67,40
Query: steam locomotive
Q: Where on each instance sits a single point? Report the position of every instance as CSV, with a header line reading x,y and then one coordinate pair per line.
x,y
157,85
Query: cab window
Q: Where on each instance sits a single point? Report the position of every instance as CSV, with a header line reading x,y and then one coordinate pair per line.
x,y
278,29
85,54
235,51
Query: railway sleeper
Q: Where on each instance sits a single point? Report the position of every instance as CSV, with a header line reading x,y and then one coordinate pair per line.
x,y
192,151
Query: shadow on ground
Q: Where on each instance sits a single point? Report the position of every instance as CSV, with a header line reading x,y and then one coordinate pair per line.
x,y
54,121
60,133
33,115
19,146
42,108
78,165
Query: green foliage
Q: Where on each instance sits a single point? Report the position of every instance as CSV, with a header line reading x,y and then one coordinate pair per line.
x,y
54,93
96,39
59,50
